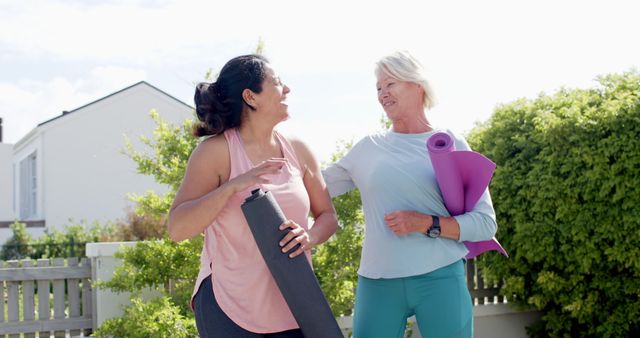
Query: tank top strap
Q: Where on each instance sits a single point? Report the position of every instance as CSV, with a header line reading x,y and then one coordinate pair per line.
x,y
238,159
287,151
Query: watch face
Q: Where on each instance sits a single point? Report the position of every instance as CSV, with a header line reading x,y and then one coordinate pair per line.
x,y
434,232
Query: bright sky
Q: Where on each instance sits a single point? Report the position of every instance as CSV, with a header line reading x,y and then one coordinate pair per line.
x,y
58,55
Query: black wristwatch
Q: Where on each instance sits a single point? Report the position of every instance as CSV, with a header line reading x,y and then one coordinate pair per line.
x,y
434,230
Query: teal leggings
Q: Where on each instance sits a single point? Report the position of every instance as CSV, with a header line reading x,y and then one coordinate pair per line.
x,y
439,299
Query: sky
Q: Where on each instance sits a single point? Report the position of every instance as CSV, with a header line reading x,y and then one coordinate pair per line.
x,y
58,55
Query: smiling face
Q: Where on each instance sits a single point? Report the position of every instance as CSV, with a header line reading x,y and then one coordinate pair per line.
x,y
398,98
272,99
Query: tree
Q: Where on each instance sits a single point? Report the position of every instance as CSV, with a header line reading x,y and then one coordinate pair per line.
x,y
566,193
17,247
171,146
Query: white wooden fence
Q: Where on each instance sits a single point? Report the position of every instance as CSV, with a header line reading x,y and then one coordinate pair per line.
x,y
45,297
481,292
54,297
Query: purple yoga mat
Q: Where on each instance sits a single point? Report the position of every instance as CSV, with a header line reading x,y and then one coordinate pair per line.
x,y
462,177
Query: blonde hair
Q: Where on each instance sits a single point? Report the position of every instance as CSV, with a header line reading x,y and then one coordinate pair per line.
x,y
403,66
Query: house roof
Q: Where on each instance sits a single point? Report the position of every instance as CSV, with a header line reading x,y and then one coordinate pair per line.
x,y
65,113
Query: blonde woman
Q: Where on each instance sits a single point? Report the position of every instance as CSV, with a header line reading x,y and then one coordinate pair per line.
x,y
413,256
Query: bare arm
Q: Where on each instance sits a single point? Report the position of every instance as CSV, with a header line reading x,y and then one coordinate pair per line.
x,y
206,189
478,224
325,219
407,221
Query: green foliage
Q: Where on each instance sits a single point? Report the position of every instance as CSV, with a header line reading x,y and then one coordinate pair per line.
x,y
70,242
158,318
142,227
17,246
567,193
162,263
71,239
172,146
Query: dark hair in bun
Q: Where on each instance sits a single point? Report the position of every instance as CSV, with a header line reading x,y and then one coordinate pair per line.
x,y
219,105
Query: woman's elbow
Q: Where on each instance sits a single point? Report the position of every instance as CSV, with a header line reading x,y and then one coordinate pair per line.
x,y
492,226
333,223
173,235
174,230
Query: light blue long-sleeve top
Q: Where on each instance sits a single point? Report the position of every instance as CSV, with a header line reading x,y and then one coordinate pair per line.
x,y
393,172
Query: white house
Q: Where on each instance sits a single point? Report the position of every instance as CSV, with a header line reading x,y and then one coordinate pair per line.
x,y
6,178
73,166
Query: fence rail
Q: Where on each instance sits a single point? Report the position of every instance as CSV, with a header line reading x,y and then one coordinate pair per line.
x,y
47,296
34,288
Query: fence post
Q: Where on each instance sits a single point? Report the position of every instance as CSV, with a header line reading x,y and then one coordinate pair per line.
x,y
87,297
44,311
106,303
58,298
73,289
28,299
13,294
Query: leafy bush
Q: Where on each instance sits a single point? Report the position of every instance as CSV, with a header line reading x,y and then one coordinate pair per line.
x,y
17,247
142,227
336,261
567,198
165,264
171,146
158,318
71,240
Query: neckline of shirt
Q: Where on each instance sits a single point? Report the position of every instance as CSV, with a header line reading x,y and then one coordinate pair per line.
x,y
392,133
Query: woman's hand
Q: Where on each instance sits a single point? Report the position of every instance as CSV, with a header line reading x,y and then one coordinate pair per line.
x,y
257,174
405,222
297,235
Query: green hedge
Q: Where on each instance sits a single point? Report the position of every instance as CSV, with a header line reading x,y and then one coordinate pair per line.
x,y
567,194
155,318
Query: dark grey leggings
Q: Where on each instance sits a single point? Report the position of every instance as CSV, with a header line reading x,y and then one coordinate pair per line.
x,y
212,322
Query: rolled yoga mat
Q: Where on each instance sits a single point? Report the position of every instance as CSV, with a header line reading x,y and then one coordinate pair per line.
x,y
294,276
462,177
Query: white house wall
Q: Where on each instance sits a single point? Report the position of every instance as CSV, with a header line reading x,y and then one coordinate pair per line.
x,y
87,175
6,182
31,143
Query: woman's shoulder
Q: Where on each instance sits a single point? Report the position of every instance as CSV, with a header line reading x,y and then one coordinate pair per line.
x,y
299,146
213,143
211,150
459,139
365,143
301,151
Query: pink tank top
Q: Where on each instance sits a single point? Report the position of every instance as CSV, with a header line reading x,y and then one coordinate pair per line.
x,y
242,283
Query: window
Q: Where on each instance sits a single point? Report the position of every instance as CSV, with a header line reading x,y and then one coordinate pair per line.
x,y
28,187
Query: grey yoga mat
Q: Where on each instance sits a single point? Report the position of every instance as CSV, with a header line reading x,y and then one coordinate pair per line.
x,y
294,276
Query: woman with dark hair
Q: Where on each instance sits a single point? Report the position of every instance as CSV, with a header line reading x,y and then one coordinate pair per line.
x,y
235,294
